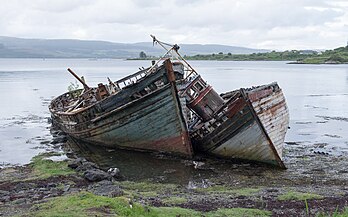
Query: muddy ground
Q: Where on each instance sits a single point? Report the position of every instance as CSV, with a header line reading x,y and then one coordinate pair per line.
x,y
314,183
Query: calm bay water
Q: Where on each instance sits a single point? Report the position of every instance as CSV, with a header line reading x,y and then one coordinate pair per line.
x,y
317,96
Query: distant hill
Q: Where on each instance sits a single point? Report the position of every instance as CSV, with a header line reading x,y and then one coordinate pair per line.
x,y
11,47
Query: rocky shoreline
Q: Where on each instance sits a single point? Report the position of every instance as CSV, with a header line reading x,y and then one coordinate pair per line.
x,y
34,190
63,183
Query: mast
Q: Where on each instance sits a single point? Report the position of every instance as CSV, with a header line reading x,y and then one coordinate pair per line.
x,y
79,79
174,48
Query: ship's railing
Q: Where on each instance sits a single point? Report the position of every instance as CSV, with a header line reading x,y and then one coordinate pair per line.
x,y
131,79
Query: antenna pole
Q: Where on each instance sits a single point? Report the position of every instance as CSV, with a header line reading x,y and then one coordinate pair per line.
x,y
175,48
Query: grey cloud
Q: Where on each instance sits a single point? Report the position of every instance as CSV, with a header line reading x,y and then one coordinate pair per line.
x,y
271,23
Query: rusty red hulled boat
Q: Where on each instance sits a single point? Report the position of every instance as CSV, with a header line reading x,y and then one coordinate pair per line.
x,y
168,107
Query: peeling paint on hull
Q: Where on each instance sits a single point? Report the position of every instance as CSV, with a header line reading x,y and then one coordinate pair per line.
x,y
153,123
254,130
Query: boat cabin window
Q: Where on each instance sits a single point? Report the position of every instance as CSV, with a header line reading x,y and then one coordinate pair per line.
x,y
193,92
199,86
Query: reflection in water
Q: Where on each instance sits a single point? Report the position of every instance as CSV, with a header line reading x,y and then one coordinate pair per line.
x,y
140,166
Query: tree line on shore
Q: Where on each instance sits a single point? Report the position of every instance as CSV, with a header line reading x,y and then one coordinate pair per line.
x,y
335,56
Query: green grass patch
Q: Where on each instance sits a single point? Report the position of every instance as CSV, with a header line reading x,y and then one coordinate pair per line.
x,y
138,190
174,200
147,187
344,213
44,168
220,189
88,204
149,194
173,212
293,195
238,212
138,195
315,60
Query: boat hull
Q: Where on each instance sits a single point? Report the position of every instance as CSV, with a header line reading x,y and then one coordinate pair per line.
x,y
254,129
151,123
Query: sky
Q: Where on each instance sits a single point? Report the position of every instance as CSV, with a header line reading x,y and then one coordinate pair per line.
x,y
267,24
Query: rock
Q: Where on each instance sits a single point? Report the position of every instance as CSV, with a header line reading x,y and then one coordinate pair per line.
x,y
96,175
272,190
106,188
74,190
61,133
59,139
51,185
114,172
36,197
73,164
54,194
45,142
66,188
6,198
169,171
70,154
25,186
198,165
20,201
3,193
86,166
343,171
102,183
54,191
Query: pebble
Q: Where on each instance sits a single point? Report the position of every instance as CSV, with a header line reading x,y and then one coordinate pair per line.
x,y
20,201
51,185
4,192
66,188
36,197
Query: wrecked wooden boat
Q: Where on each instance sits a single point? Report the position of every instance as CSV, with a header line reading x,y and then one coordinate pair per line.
x,y
246,123
169,108
141,111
